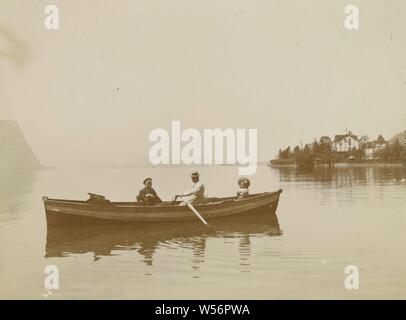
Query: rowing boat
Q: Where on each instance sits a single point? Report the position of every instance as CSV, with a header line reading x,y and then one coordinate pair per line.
x,y
60,211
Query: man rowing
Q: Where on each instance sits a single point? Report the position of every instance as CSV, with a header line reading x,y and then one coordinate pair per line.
x,y
197,193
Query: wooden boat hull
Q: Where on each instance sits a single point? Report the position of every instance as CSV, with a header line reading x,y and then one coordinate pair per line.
x,y
108,239
82,212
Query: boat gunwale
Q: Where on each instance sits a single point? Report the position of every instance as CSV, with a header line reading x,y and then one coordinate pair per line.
x,y
165,204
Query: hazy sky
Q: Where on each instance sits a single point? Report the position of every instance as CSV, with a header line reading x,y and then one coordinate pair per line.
x,y
91,92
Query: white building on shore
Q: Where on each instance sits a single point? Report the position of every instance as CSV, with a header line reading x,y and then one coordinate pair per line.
x,y
373,148
346,142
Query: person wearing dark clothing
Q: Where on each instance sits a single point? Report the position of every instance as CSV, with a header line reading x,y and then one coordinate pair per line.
x,y
148,195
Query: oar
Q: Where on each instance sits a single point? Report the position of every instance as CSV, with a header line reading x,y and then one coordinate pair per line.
x,y
191,207
197,213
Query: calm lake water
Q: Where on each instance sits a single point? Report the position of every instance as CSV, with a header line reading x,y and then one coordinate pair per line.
x,y
326,220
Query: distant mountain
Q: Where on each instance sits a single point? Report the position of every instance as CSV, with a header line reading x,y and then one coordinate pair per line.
x,y
15,152
401,137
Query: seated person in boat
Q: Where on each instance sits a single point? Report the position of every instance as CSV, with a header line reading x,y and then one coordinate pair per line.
x,y
243,192
148,195
197,193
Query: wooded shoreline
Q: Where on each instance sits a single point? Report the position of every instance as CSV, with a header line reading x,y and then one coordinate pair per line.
x,y
355,162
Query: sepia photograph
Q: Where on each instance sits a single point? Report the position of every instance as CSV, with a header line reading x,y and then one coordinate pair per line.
x,y
202,150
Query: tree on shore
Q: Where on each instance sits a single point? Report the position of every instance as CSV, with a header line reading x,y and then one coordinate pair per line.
x,y
285,154
393,152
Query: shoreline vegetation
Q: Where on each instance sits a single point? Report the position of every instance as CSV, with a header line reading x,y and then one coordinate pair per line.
x,y
292,163
324,153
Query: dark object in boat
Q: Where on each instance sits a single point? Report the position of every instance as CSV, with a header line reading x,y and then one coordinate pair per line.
x,y
97,199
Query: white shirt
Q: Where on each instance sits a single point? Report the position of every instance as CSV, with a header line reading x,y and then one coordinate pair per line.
x,y
198,189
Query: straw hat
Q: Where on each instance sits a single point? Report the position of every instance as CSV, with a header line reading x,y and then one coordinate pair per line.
x,y
248,183
194,174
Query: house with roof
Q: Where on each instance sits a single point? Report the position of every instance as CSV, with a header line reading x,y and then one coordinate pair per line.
x,y
380,143
345,142
373,148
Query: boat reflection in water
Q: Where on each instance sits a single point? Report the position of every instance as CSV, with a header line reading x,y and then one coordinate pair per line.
x,y
106,240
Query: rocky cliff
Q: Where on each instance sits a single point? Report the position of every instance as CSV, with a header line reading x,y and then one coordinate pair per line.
x,y
15,153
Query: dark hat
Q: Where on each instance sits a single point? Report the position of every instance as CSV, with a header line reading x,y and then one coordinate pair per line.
x,y
195,174
145,180
243,179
